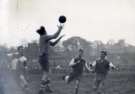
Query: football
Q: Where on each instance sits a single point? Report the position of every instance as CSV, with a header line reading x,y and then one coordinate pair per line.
x,y
62,19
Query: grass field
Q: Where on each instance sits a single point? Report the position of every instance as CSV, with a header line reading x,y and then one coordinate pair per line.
x,y
117,82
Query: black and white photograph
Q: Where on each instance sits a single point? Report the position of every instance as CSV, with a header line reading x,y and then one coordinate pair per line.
x,y
67,46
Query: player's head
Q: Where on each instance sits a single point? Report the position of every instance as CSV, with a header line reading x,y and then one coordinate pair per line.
x,y
81,52
20,50
41,31
103,54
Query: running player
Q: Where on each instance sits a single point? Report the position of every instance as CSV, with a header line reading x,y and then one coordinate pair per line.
x,y
101,68
78,64
22,67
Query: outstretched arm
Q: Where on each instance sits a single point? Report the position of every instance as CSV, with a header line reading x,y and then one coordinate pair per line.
x,y
90,67
72,62
87,66
56,34
113,66
55,42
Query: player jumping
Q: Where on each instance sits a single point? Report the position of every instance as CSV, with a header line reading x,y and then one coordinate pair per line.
x,y
44,44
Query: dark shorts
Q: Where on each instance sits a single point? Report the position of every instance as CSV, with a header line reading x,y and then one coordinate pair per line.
x,y
100,77
44,62
74,76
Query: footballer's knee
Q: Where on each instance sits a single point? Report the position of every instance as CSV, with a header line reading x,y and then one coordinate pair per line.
x,y
77,83
67,78
45,82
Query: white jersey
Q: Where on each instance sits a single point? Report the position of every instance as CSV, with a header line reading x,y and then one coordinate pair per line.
x,y
22,59
14,64
16,61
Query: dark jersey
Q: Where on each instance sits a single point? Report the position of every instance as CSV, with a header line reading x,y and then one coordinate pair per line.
x,y
79,66
44,44
44,41
102,66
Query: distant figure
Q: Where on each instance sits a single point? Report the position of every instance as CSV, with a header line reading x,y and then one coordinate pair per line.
x,y
19,66
22,67
77,64
14,64
101,68
44,44
14,60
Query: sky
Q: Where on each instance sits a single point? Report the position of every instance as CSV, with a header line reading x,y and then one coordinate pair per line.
x,y
90,19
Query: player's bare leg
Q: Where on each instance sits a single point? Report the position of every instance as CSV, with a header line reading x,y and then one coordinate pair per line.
x,y
45,83
24,81
97,86
67,78
103,87
77,86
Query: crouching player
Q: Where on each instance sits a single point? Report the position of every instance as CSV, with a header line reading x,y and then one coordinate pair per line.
x,y
101,68
77,64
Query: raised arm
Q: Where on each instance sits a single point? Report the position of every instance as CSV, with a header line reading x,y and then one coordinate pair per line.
x,y
56,41
55,35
